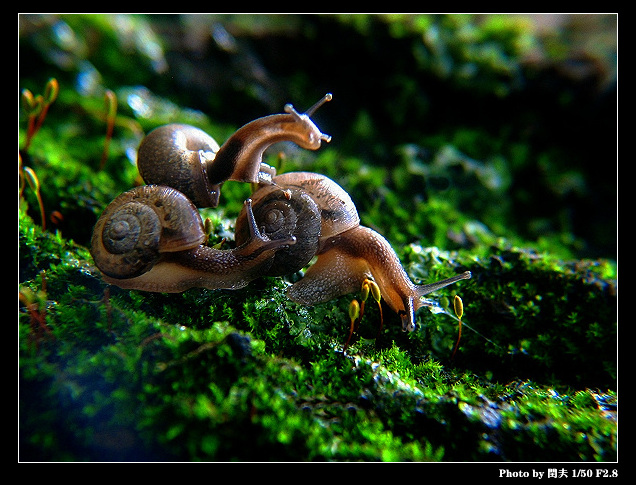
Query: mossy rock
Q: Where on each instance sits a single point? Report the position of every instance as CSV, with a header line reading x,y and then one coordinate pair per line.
x,y
113,375
249,375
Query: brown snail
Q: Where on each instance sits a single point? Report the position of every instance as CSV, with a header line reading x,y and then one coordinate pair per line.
x,y
328,226
191,161
151,238
290,219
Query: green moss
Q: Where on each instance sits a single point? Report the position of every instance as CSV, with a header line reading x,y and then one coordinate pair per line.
x,y
107,374
188,377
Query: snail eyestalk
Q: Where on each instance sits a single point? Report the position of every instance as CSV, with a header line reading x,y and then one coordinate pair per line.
x,y
327,97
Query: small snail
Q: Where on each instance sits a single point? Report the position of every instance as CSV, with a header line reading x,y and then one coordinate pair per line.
x,y
151,238
323,219
188,159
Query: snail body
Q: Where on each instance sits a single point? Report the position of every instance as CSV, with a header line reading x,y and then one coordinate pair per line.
x,y
355,256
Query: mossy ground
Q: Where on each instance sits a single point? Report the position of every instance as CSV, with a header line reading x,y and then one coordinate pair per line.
x,y
107,374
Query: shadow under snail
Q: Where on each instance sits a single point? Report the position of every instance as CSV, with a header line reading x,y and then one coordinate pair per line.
x,y
151,238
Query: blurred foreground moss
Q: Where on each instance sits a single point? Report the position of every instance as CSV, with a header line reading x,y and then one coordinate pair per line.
x,y
106,374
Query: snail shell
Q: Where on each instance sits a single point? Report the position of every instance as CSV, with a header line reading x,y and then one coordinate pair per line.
x,y
178,156
309,206
281,214
139,225
337,211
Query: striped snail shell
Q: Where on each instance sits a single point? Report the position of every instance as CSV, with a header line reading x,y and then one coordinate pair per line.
x,y
139,225
281,214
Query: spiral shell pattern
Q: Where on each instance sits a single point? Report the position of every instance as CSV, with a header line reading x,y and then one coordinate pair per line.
x,y
279,214
139,225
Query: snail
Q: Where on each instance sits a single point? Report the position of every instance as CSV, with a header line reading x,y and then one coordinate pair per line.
x,y
191,161
323,219
151,238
